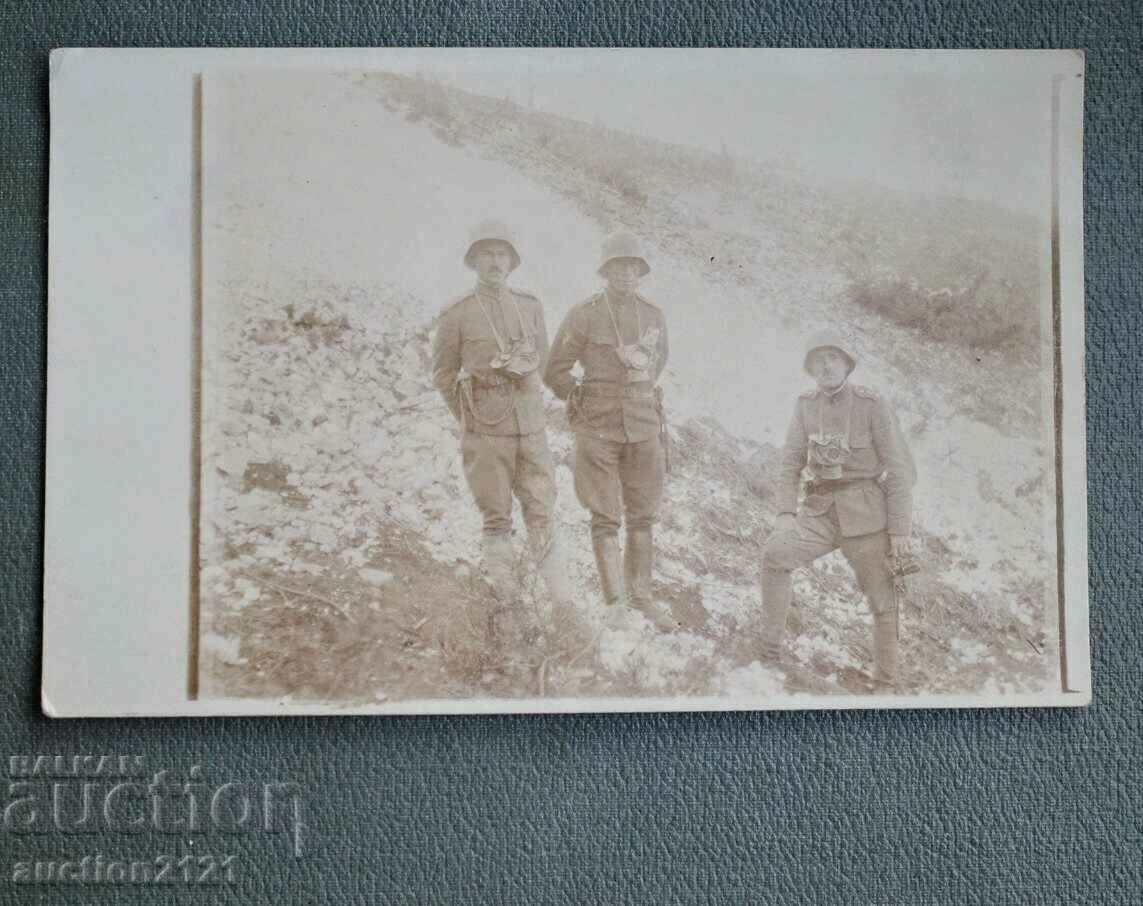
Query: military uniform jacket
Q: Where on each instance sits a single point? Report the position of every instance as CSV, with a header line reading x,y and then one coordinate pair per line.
x,y
877,451
465,344
588,336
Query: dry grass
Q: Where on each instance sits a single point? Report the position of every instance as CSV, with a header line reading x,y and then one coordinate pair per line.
x,y
429,633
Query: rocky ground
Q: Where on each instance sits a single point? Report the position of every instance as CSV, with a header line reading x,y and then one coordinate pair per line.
x,y
340,545
342,548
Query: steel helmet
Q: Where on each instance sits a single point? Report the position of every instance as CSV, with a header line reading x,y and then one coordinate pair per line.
x,y
828,338
623,245
491,229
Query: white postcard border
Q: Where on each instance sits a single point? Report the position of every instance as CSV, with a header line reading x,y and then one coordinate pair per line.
x,y
120,420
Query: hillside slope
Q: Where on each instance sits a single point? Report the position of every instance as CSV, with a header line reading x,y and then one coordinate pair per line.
x,y
340,543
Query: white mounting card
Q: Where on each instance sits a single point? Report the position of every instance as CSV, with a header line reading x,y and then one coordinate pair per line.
x,y
285,474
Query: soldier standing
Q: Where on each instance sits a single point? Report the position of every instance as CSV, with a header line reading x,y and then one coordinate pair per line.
x,y
620,340
858,498
489,349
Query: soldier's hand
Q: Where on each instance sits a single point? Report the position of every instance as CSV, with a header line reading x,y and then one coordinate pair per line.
x,y
786,522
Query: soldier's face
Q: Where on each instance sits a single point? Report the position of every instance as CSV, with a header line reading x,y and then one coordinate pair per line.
x,y
622,274
492,262
829,367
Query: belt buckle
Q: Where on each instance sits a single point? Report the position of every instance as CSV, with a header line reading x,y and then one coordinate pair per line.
x,y
636,375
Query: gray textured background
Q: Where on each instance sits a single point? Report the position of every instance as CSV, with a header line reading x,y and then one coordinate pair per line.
x,y
1011,807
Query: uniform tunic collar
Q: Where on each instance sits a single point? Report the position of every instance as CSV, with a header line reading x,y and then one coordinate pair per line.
x,y
491,293
618,300
840,395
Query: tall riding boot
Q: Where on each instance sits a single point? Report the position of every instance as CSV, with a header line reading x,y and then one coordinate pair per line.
x,y
606,549
885,633
499,560
637,560
563,624
551,563
776,592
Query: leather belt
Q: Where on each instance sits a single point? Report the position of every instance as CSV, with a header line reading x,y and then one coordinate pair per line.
x,y
493,380
620,391
830,487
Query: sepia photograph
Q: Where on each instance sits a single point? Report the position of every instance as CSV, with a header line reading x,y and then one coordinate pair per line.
x,y
601,380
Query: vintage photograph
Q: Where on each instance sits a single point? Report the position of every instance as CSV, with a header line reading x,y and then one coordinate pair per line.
x,y
600,380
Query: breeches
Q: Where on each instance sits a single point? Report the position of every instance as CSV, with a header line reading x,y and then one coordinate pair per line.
x,y
616,480
815,536
497,467
819,535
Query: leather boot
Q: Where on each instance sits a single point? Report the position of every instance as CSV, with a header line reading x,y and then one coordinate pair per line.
x,y
885,649
776,592
606,549
499,561
637,559
563,622
551,563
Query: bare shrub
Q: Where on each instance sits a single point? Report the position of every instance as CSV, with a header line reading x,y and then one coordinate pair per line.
x,y
625,182
981,313
426,99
